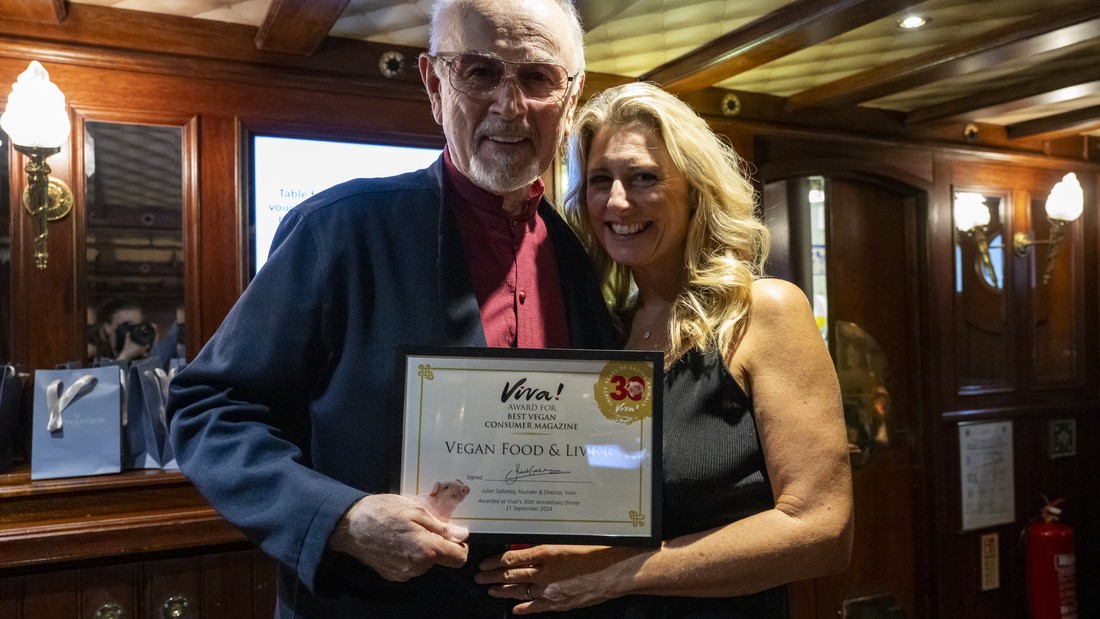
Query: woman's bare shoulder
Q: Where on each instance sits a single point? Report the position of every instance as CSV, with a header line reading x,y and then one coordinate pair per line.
x,y
771,297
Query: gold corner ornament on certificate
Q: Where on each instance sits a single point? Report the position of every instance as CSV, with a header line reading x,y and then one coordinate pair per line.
x,y
535,446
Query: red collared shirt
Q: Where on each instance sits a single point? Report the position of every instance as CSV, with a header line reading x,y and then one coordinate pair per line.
x,y
511,260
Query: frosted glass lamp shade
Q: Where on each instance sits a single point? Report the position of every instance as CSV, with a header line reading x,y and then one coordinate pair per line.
x,y
1066,200
970,211
35,115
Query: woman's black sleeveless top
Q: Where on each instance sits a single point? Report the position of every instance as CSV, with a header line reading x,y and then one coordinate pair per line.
x,y
714,474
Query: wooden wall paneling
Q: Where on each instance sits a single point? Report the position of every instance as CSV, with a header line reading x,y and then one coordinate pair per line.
x,y
224,577
11,596
215,235
44,309
940,298
1079,474
174,583
147,42
872,264
111,585
51,595
264,575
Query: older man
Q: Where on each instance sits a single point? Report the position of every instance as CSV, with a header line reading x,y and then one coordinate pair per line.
x,y
286,420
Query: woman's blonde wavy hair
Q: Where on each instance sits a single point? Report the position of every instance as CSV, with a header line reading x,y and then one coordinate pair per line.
x,y
726,242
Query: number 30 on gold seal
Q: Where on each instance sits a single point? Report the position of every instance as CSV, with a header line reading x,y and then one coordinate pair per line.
x,y
624,391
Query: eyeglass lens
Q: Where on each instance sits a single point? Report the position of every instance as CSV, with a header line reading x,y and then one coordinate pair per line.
x,y
475,74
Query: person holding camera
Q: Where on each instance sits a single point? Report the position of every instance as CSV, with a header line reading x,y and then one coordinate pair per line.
x,y
121,332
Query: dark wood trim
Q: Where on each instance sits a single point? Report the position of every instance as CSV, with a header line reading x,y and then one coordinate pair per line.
x,y
59,520
1017,40
36,11
95,36
298,26
114,536
1054,88
18,484
1058,125
789,29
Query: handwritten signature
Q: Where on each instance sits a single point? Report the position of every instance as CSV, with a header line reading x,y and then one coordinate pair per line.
x,y
520,472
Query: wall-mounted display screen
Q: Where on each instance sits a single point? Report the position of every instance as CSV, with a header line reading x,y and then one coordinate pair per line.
x,y
286,171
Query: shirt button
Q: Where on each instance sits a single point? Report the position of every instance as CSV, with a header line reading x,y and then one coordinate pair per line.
x,y
522,296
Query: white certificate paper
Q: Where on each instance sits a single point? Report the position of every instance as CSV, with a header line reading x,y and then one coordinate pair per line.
x,y
536,445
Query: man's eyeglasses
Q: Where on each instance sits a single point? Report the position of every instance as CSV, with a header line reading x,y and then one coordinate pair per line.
x,y
478,74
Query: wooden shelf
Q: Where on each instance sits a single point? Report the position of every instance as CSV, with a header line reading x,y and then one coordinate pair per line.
x,y
86,518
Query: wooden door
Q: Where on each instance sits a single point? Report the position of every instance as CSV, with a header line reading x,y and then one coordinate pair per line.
x,y
871,260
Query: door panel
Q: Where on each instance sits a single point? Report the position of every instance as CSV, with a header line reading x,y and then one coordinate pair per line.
x,y
872,273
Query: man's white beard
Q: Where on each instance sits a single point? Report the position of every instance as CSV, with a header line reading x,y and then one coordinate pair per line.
x,y
502,174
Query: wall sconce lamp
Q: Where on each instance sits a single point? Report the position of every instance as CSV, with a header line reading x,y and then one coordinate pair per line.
x,y
1064,205
38,124
971,218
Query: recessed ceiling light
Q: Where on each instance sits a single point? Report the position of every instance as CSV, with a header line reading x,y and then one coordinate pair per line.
x,y
913,22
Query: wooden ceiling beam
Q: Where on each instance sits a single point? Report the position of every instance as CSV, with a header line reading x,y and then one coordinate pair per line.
x,y
1021,39
298,26
38,11
1058,125
1014,97
791,28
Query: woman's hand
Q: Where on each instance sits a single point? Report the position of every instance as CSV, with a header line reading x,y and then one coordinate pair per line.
x,y
557,578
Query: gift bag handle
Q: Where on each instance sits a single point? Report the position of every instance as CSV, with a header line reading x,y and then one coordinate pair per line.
x,y
57,401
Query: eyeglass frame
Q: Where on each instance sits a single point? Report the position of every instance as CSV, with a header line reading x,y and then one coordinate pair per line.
x,y
570,80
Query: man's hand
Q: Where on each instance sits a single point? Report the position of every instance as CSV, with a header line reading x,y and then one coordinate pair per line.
x,y
398,538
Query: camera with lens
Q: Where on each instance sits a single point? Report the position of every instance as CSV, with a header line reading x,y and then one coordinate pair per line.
x,y
141,333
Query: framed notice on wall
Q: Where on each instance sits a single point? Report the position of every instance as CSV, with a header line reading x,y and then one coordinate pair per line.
x,y
986,464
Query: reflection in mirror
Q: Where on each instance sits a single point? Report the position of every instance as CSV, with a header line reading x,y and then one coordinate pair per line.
x,y
980,304
796,214
134,207
861,367
974,219
819,283
1056,300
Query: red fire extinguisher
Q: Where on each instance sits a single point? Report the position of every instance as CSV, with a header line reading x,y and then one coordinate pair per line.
x,y
1051,566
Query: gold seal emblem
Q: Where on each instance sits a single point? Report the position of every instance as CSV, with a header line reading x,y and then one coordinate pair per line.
x,y
624,391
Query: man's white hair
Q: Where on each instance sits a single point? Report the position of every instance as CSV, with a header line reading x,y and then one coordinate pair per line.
x,y
441,7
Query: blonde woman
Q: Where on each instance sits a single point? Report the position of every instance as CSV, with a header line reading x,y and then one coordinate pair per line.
x,y
757,485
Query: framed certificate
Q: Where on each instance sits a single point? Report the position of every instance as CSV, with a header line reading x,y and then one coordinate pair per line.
x,y
535,446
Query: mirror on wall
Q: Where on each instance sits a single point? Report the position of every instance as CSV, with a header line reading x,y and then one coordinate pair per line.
x,y
981,311
134,207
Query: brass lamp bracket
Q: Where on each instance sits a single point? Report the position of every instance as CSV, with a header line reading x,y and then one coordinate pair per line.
x,y
59,199
1021,243
45,197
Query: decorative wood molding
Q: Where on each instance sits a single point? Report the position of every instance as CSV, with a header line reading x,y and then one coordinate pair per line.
x,y
117,535
71,519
